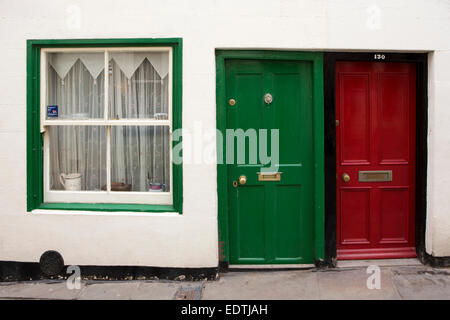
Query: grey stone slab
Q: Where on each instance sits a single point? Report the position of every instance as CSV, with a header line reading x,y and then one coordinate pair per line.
x,y
288,285
349,284
189,292
38,290
422,283
416,269
155,291
116,290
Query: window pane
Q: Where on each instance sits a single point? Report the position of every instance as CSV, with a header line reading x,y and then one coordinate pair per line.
x,y
138,85
75,86
140,158
77,158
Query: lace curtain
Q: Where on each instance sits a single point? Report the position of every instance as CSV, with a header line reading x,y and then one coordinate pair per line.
x,y
145,95
139,154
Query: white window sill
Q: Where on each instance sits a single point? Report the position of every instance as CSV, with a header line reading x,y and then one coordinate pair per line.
x,y
104,213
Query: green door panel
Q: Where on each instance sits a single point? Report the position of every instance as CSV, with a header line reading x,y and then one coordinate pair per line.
x,y
288,223
247,245
271,222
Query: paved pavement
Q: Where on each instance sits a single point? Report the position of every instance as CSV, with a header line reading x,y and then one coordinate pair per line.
x,y
396,282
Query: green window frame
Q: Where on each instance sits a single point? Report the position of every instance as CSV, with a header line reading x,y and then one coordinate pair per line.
x,y
35,157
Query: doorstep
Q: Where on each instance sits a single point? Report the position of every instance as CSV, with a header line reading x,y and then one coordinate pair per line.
x,y
269,266
378,262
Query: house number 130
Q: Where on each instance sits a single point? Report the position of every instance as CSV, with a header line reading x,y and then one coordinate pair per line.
x,y
379,56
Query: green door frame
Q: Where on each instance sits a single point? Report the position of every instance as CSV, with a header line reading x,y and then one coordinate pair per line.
x,y
316,58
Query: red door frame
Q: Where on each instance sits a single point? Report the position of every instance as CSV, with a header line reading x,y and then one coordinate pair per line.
x,y
330,59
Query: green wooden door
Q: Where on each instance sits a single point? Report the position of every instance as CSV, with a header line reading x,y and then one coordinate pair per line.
x,y
271,222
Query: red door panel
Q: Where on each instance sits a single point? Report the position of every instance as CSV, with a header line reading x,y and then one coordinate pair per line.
x,y
355,202
394,215
375,133
355,138
394,115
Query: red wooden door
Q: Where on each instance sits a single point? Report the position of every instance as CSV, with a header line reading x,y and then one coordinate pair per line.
x,y
375,149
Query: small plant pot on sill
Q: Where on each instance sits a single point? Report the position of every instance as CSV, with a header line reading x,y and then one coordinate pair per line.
x,y
118,186
156,187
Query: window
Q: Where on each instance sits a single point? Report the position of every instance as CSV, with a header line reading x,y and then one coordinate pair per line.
x,y
105,117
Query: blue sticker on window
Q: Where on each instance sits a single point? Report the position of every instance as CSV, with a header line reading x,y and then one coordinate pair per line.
x,y
52,111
